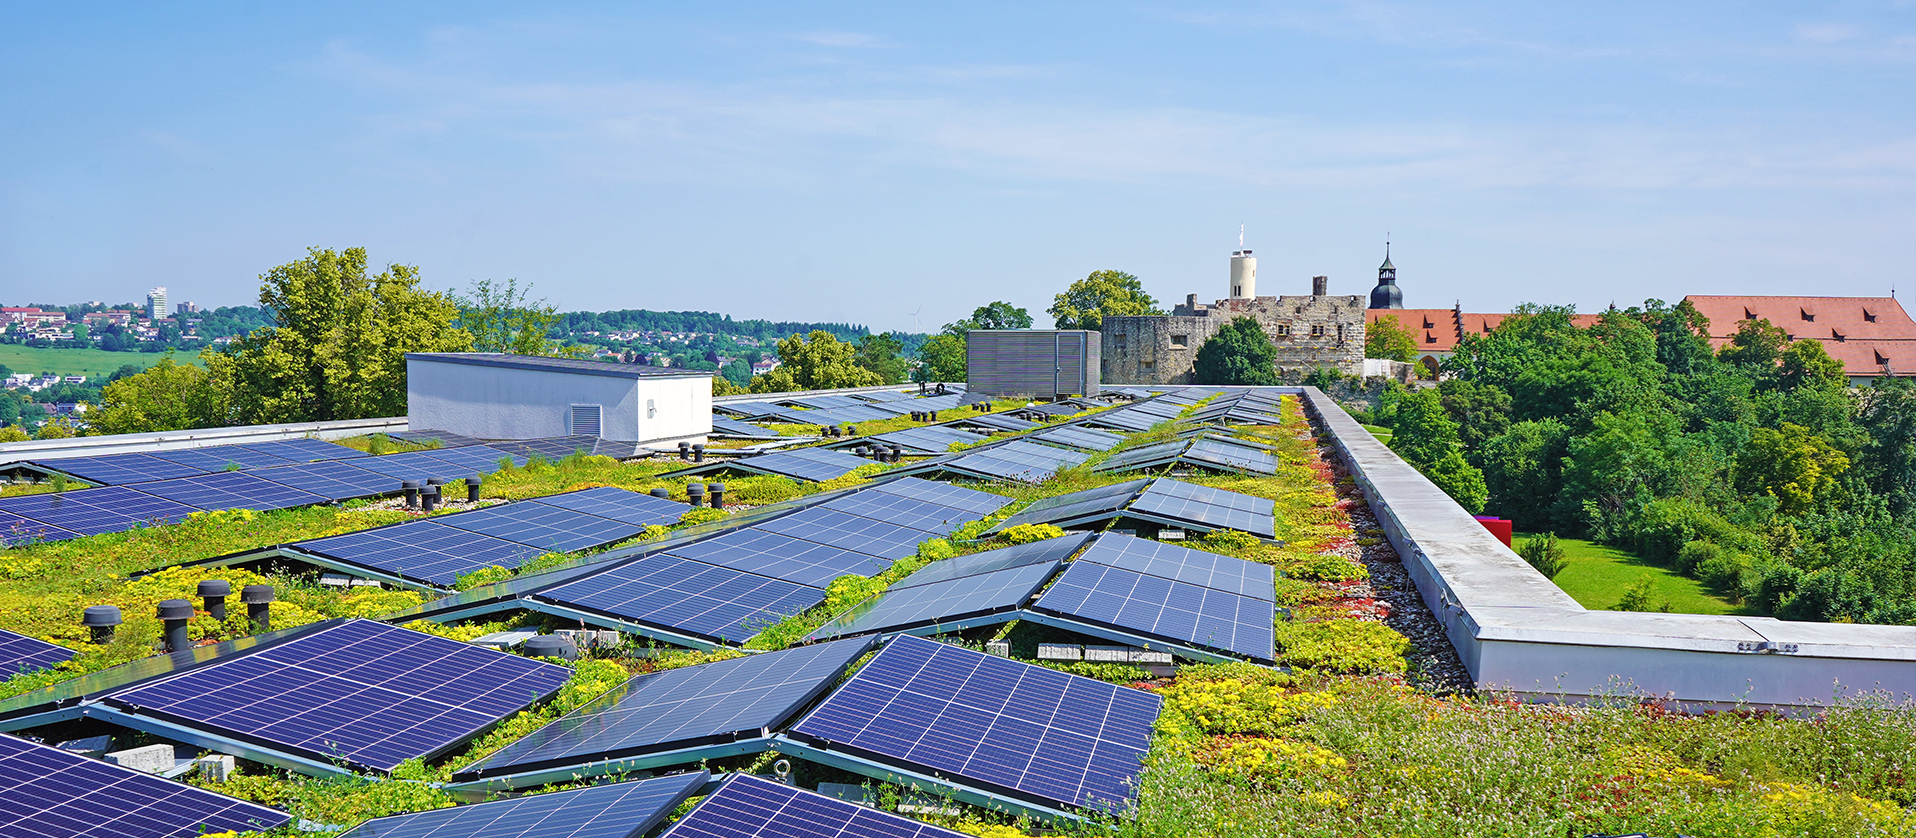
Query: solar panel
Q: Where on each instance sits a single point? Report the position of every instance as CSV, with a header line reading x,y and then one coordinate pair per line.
x,y
706,601
423,550
1143,456
1073,507
943,494
332,479
361,692
725,701
446,439
781,557
723,426
95,511
552,448
546,527
116,469
1207,507
983,720
222,458
473,459
48,793
1183,564
619,810
618,505
929,518
992,582
20,653
306,450
416,465
805,464
851,532
1163,608
746,806
998,421
882,396
1162,409
931,439
1124,419
230,490
16,530
819,402
1084,439
1226,455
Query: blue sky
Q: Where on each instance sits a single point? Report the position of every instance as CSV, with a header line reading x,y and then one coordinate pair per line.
x,y
897,165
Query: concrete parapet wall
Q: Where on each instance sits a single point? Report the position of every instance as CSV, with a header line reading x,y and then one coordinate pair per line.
x,y
1517,631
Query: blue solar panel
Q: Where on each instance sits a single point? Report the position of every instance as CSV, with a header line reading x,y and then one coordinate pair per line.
x,y
473,459
619,810
1020,460
1100,503
679,708
1197,567
19,653
714,603
422,550
16,530
943,494
722,426
96,511
804,464
929,518
230,490
551,448
1216,453
222,458
851,532
1163,608
333,479
781,557
1144,456
1084,439
545,527
936,439
990,722
992,582
746,806
48,793
618,505
882,396
999,421
444,439
1124,419
116,469
362,692
1206,507
306,450
416,465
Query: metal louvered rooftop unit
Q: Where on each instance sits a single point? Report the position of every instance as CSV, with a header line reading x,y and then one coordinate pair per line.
x,y
1032,363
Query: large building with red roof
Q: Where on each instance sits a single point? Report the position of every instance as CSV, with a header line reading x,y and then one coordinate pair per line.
x,y
1872,336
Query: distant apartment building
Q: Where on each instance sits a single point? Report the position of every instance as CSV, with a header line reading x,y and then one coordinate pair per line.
x,y
111,317
187,308
156,303
31,317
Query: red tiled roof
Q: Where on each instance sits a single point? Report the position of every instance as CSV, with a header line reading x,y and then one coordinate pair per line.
x,y
1865,333
1439,329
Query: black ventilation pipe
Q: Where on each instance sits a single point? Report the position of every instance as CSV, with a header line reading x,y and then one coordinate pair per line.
x,y
213,592
258,600
472,489
173,614
101,619
896,451
552,646
411,488
695,494
718,495
662,493
685,450
698,453
429,498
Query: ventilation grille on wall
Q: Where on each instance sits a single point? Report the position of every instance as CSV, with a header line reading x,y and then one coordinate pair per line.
x,y
585,420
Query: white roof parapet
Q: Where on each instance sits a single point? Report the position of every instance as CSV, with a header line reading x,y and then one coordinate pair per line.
x,y
93,446
1517,631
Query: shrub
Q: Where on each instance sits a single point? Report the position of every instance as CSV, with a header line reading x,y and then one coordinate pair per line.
x,y
1027,533
1695,553
1342,646
1543,553
1723,573
1637,597
701,515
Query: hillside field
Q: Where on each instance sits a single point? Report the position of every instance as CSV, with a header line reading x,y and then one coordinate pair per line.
x,y
92,363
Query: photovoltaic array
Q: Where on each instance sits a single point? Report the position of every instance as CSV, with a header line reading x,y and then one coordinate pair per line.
x,y
618,810
231,490
1162,607
686,597
20,653
966,587
120,469
746,806
1083,439
1207,452
1018,460
986,721
48,793
931,439
1189,504
678,708
96,511
1098,504
363,693
1183,564
16,529
726,426
810,464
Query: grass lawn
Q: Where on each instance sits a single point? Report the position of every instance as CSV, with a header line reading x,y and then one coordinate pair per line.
x,y
92,363
1596,576
1379,431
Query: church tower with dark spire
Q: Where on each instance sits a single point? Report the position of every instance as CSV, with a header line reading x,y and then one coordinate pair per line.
x,y
1386,294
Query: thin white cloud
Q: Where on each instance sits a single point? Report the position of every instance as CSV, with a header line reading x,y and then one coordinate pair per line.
x,y
1826,33
844,40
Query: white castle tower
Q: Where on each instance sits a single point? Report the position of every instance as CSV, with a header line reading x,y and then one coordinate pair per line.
x,y
1243,270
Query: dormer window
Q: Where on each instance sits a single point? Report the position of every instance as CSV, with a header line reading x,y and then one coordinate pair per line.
x,y
1869,316
1881,359
1837,336
1428,324
1807,316
1430,338
1748,314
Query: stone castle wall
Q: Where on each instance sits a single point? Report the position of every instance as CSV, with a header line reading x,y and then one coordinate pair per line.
x,y
1309,331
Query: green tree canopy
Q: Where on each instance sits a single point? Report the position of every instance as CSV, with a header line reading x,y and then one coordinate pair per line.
x,y
818,361
501,318
1387,339
941,359
339,349
995,315
883,355
1240,353
166,397
1102,294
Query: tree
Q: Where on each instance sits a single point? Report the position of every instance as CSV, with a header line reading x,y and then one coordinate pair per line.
x,y
1102,294
1423,432
882,356
166,397
815,362
58,427
1791,464
997,315
1389,340
339,349
1543,553
1463,482
1240,353
942,358
1481,411
1807,365
502,319
1523,471
1755,349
